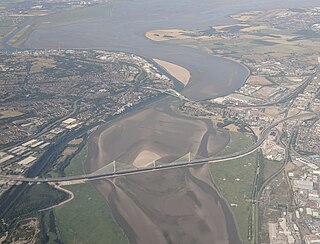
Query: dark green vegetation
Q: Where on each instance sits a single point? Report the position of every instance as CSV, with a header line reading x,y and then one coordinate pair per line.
x,y
24,221
87,218
35,198
48,228
241,126
63,166
66,223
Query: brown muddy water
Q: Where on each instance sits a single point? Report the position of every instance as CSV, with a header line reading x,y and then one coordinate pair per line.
x,y
174,206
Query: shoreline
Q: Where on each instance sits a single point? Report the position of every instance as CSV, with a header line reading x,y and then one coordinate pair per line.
x,y
180,73
133,112
249,74
119,208
227,204
160,35
164,40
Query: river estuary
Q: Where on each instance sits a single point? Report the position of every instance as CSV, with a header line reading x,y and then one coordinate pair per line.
x,y
181,205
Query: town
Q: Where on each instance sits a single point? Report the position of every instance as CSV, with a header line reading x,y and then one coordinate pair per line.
x,y
48,94
282,86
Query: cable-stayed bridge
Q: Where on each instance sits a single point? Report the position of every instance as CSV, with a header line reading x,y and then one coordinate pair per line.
x,y
116,169
116,166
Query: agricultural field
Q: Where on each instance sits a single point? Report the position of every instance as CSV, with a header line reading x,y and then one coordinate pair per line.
x,y
270,43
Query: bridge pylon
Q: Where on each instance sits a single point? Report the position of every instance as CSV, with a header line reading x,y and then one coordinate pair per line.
x,y
114,166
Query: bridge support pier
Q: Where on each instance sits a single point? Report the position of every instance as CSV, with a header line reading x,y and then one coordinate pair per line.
x,y
114,166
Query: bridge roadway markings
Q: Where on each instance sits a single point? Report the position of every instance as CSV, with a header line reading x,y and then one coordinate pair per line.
x,y
91,177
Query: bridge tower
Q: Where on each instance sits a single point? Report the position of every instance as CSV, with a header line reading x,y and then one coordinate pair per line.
x,y
114,166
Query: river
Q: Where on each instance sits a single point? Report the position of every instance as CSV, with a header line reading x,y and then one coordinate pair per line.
x,y
183,205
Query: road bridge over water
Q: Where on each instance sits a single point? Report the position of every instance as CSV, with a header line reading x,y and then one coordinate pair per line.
x,y
188,160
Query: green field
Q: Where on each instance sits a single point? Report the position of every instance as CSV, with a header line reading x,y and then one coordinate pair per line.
x,y
87,218
280,42
235,179
270,167
48,232
238,141
76,165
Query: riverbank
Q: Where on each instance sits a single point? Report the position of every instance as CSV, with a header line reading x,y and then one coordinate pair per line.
x,y
87,206
160,132
152,133
173,203
181,74
166,35
180,204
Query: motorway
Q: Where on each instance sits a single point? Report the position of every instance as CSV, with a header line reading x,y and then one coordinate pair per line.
x,y
285,98
90,177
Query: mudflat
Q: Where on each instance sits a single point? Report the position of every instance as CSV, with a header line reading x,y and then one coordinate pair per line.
x,y
155,133
175,206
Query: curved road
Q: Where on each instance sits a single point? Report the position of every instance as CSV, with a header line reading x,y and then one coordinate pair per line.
x,y
235,155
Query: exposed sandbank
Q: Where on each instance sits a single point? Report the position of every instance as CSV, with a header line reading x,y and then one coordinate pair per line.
x,y
181,74
178,206
151,130
166,35
160,207
144,158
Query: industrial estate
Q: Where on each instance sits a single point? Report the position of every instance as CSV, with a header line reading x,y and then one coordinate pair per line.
x,y
84,131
